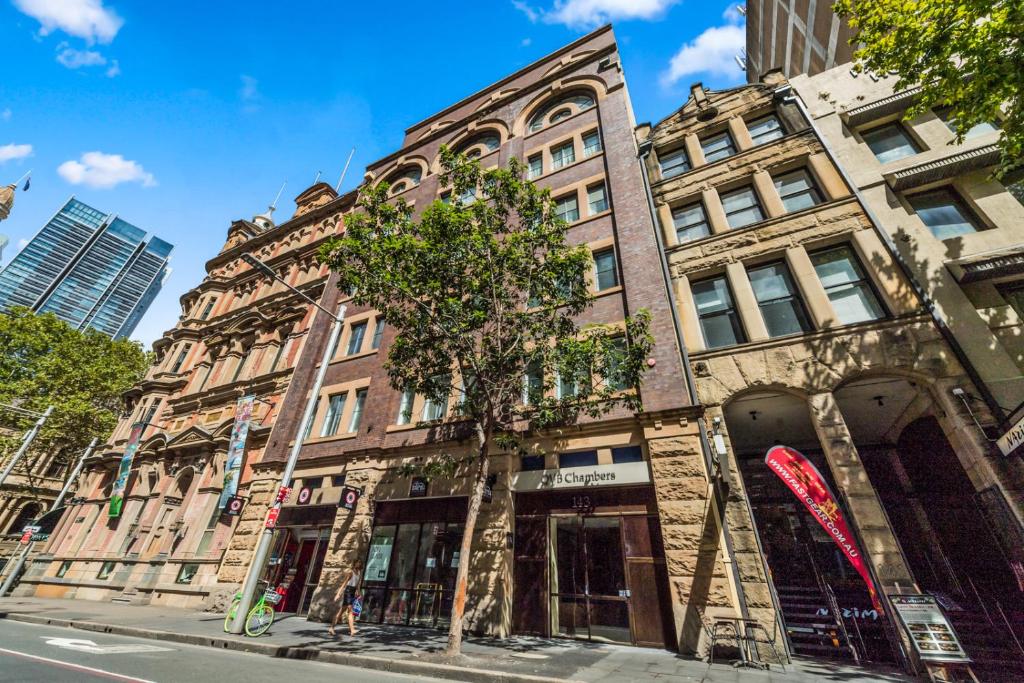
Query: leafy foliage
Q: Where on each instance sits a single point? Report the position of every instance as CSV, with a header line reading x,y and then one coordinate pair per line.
x,y
967,54
485,293
43,362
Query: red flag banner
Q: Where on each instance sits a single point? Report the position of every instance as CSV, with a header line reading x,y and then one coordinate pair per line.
x,y
806,482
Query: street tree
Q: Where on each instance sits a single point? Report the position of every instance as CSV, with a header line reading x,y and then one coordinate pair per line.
x,y
82,374
485,295
964,54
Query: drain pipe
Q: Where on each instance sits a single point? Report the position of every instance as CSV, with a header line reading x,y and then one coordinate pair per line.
x,y
787,95
718,490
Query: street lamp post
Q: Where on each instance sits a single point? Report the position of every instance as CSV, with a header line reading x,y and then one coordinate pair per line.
x,y
266,537
20,562
25,443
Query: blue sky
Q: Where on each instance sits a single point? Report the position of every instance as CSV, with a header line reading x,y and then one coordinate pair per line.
x,y
181,117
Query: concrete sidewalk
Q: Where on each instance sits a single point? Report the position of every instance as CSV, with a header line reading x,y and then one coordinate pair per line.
x,y
417,651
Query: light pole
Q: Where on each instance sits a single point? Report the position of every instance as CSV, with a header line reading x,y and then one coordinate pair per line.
x,y
263,546
25,442
20,562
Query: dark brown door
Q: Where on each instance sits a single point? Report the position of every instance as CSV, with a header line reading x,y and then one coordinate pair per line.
x,y
647,576
530,592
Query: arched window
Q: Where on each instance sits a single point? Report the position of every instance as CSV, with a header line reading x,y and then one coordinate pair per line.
x,y
27,514
559,109
479,145
404,180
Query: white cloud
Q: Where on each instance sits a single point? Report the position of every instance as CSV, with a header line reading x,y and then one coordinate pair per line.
x,y
525,42
76,59
586,14
713,52
22,243
104,171
114,69
5,115
86,19
12,151
250,89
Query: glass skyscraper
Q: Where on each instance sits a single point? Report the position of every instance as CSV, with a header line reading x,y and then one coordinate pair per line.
x,y
90,269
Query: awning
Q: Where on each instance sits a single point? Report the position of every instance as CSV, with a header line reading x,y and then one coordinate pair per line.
x,y
879,109
941,169
1005,263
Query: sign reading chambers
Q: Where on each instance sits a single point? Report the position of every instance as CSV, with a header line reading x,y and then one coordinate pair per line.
x,y
582,477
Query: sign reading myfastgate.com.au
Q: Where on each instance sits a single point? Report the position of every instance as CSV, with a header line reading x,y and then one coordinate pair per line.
x,y
582,477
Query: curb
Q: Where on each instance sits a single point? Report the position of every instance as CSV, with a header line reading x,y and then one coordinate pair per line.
x,y
398,666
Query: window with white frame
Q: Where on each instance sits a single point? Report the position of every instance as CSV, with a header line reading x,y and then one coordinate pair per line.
x,y
355,340
852,296
605,274
533,383
781,308
535,166
378,333
765,129
742,207
591,144
405,407
690,222
717,147
673,163
563,155
357,411
335,407
797,190
436,408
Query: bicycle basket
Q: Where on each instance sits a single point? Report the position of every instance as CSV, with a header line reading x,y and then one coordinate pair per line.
x,y
272,598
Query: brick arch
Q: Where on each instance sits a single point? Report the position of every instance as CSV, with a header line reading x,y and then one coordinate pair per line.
x,y
591,85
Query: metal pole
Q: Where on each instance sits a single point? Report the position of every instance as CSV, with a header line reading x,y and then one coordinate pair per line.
x,y
263,547
25,443
20,562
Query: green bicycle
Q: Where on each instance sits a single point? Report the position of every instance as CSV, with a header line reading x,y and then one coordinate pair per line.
x,y
260,617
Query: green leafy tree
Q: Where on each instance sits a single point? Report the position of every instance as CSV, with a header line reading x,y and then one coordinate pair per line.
x,y
965,54
43,362
485,293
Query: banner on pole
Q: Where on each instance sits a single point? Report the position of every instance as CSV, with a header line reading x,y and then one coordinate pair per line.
x,y
806,482
117,493
236,449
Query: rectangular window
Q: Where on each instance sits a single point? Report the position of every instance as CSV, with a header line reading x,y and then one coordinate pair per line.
x,y
577,459
627,454
338,480
718,320
357,411
187,572
566,386
531,463
563,155
690,222
535,166
446,197
335,407
209,307
279,353
765,129
309,425
468,196
674,163
1014,295
567,208
980,129
378,333
944,213
180,360
106,569
591,144
405,407
718,147
890,142
613,368
741,207
597,199
436,408
850,292
63,569
781,308
606,276
312,482
797,191
355,340
533,383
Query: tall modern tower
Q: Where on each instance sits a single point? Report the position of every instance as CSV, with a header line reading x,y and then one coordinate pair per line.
x,y
90,269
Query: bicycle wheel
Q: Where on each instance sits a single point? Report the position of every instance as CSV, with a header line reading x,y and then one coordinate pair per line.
x,y
232,611
259,620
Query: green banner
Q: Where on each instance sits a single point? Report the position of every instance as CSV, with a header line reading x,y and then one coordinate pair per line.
x,y
117,494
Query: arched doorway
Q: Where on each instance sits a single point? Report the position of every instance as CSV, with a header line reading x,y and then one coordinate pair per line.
x,y
824,601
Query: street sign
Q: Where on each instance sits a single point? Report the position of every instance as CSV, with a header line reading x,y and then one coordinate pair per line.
x,y
1014,437
418,487
349,498
272,516
234,506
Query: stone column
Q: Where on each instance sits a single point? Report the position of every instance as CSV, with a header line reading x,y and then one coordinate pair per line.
x,y
862,503
746,302
717,220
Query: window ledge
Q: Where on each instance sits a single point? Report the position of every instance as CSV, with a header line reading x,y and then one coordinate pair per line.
x,y
332,437
942,169
551,126
587,219
545,176
597,294
354,356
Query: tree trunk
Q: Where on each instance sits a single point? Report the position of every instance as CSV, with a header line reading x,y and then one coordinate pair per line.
x,y
462,577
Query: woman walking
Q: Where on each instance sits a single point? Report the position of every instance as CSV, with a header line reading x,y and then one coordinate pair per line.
x,y
346,596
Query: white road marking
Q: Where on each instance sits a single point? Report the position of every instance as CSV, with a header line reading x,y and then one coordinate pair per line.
x,y
76,667
82,645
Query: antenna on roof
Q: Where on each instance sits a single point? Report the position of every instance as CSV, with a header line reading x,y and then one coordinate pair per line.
x,y
317,179
274,205
337,188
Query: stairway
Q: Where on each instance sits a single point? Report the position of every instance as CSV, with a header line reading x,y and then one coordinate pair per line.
x,y
986,639
812,629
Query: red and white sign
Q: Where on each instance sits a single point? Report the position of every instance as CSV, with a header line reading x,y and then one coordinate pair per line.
x,y
804,480
272,515
349,498
305,493
234,506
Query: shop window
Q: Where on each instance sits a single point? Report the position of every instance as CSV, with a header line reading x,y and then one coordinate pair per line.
x,y
563,155
797,191
852,296
741,207
535,166
357,411
624,454
718,147
690,222
378,334
405,407
781,308
567,208
944,213
674,163
533,383
1014,295
180,360
106,569
63,568
187,572
717,313
890,142
765,129
591,144
979,129
577,459
606,276
355,340
597,199
335,407
531,463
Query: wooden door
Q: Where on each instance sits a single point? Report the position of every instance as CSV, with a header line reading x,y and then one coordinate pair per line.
x,y
530,582
647,582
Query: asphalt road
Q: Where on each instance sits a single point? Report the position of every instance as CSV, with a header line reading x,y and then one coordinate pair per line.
x,y
30,653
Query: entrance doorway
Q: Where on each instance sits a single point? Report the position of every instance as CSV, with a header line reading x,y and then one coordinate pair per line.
x,y
296,561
